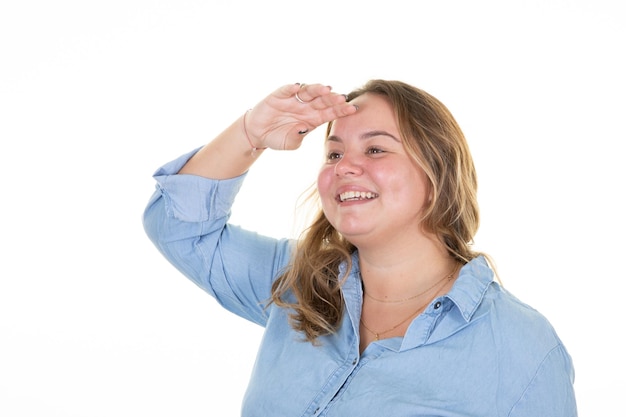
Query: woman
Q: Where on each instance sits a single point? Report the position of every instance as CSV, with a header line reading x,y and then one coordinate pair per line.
x,y
382,307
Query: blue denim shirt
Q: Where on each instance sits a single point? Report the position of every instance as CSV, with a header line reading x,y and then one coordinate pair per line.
x,y
476,351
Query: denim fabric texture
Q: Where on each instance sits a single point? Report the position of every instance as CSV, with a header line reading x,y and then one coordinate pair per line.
x,y
476,351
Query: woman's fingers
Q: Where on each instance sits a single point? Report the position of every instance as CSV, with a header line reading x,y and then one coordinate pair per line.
x,y
307,93
300,98
283,119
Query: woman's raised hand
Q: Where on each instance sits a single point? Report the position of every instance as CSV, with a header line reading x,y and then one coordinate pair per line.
x,y
279,121
282,119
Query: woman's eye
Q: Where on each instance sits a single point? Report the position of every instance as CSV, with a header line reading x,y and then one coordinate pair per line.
x,y
374,150
332,156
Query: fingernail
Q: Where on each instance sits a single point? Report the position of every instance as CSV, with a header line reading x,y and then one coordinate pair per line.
x,y
356,106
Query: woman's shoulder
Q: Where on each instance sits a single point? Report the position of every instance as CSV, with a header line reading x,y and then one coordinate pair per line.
x,y
512,319
518,325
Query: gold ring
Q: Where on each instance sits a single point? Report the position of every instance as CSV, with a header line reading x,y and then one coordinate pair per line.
x,y
298,97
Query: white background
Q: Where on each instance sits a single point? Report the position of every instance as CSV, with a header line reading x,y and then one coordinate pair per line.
x,y
95,95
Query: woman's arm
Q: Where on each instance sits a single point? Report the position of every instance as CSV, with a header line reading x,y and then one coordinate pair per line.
x,y
551,391
280,121
186,220
187,217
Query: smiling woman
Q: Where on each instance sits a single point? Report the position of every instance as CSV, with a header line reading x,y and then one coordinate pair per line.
x,y
383,293
366,157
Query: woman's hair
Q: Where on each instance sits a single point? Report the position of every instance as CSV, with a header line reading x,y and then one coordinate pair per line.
x,y
311,285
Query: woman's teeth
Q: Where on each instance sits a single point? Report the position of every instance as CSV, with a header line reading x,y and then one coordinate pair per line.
x,y
356,195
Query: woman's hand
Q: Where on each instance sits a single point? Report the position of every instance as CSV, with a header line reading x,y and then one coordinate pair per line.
x,y
279,121
282,119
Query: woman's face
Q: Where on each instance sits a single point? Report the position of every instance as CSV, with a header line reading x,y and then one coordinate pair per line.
x,y
371,190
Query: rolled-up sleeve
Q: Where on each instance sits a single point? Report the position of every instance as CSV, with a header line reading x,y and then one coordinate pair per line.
x,y
187,220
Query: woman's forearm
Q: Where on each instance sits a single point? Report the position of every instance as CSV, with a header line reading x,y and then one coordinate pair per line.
x,y
227,156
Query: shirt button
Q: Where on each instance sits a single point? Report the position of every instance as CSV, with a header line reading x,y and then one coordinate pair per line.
x,y
437,305
354,362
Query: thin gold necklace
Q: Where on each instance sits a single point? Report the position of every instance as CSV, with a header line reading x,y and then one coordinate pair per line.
x,y
378,334
404,300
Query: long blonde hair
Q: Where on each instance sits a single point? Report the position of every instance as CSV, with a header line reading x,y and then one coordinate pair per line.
x,y
311,285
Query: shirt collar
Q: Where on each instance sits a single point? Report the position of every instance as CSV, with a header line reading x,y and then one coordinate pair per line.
x,y
472,283
468,291
470,287
352,290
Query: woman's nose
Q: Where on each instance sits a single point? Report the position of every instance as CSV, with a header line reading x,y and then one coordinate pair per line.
x,y
348,165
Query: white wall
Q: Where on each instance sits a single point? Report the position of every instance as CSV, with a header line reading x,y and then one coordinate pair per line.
x,y
94,96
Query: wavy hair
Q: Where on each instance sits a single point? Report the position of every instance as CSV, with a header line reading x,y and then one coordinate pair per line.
x,y
311,285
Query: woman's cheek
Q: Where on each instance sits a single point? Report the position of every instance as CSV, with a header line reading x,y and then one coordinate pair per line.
x,y
324,181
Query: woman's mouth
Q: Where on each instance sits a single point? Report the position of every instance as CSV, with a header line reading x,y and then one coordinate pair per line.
x,y
356,195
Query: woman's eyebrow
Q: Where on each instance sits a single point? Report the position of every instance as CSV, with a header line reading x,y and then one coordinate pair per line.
x,y
373,133
366,135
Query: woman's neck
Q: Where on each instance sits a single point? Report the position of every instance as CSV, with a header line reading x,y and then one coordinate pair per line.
x,y
396,272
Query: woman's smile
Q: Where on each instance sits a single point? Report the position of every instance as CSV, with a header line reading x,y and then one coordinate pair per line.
x,y
369,186
352,196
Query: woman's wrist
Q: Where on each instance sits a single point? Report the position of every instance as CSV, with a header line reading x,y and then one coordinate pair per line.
x,y
255,149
